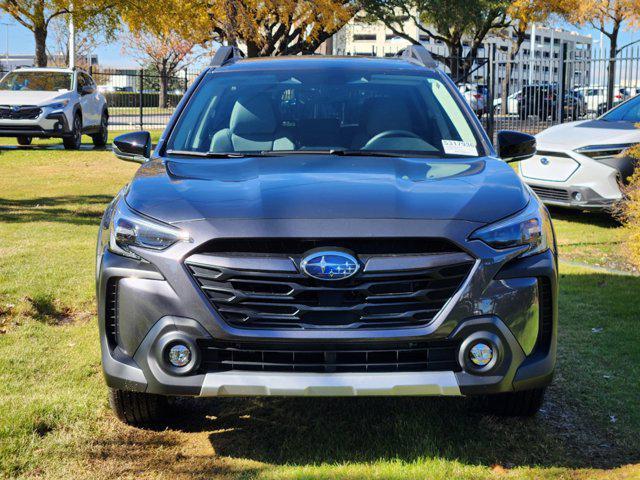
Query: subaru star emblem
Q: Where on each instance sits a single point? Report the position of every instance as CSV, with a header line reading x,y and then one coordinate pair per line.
x,y
544,161
329,265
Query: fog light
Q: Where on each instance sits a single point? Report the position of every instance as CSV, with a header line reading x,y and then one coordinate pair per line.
x,y
481,354
577,196
179,355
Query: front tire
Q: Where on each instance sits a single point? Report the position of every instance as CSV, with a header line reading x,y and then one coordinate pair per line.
x,y
23,140
525,403
73,141
100,139
138,408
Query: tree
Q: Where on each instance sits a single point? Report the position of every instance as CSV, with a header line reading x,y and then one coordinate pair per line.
x,y
607,16
36,15
98,31
165,52
264,27
452,22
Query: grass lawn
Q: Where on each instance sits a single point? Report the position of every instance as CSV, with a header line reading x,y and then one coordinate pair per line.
x,y
55,423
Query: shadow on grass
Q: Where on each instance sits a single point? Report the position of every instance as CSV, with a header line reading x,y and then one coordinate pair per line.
x,y
600,219
67,209
53,146
359,430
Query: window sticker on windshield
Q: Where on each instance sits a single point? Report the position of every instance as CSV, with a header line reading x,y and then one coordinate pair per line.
x,y
458,147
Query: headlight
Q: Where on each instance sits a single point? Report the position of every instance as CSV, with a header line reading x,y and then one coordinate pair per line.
x,y
531,228
130,229
602,152
58,105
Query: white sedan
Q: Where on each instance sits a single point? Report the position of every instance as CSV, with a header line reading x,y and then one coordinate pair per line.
x,y
582,164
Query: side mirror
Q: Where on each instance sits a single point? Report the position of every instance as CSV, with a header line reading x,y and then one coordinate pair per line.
x,y
515,146
133,147
87,90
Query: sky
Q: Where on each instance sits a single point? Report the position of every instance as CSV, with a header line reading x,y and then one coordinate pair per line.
x,y
21,42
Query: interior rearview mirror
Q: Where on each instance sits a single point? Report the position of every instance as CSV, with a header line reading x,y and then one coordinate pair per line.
x,y
133,147
515,146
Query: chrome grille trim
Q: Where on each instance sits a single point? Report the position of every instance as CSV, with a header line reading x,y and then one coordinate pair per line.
x,y
394,291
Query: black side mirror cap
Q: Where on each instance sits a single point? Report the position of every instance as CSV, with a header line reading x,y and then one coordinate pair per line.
x,y
133,147
515,146
87,90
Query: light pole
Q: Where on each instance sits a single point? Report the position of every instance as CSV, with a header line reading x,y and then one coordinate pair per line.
x,y
6,53
72,39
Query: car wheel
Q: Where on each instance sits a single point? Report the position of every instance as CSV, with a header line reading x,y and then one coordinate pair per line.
x,y
138,408
22,140
514,404
73,141
100,138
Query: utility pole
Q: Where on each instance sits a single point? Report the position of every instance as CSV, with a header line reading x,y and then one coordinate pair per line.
x,y
72,39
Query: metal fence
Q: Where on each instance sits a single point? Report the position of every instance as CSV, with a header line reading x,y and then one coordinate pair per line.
x,y
531,95
525,93
141,99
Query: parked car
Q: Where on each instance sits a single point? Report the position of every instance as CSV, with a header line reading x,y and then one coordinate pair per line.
x,y
322,226
543,101
582,164
52,102
512,104
477,96
596,97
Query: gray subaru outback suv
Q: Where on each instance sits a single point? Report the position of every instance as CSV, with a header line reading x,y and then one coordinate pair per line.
x,y
322,226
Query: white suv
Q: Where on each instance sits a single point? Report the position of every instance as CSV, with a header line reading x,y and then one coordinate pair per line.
x,y
52,102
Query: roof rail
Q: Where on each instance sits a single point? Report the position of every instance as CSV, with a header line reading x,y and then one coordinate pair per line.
x,y
418,54
224,54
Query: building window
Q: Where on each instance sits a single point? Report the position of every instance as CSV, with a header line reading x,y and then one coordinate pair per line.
x,y
364,36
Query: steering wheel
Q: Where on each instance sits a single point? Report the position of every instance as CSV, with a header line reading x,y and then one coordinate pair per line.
x,y
390,133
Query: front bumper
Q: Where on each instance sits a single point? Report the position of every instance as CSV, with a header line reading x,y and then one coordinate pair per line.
x,y
329,385
159,303
47,125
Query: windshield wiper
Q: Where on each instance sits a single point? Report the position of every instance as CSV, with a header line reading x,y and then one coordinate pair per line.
x,y
363,153
334,151
189,153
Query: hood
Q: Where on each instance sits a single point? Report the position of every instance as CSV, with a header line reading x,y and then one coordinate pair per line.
x,y
26,97
327,187
569,136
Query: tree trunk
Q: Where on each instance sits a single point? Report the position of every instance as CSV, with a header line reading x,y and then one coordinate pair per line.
x,y
40,36
163,99
613,51
253,50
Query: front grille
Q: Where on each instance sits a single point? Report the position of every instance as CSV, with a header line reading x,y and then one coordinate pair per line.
x,y
220,356
23,113
111,312
287,299
548,193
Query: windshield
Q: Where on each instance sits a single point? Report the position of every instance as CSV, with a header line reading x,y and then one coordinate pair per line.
x,y
324,110
626,112
36,81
